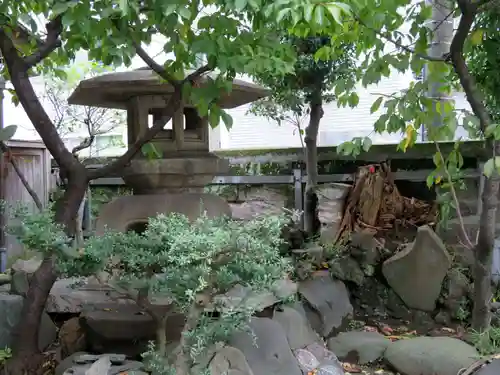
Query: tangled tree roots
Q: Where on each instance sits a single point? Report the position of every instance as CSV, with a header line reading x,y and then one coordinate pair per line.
x,y
374,204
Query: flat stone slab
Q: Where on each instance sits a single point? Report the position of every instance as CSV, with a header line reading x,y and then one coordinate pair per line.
x,y
282,289
113,364
366,346
417,272
71,296
430,355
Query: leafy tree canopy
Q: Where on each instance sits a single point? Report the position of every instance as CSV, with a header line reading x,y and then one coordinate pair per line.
x,y
484,59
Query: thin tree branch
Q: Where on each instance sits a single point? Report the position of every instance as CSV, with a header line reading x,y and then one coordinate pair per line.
x,y
18,71
197,74
401,45
474,97
86,143
6,151
54,30
454,195
157,68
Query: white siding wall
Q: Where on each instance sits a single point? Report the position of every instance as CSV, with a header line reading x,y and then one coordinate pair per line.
x,y
337,125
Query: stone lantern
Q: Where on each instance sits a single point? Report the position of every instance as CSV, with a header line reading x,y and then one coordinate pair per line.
x,y
175,181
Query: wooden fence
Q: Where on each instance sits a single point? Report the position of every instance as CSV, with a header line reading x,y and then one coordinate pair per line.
x,y
33,160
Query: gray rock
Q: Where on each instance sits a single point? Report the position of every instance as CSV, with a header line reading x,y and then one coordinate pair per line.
x,y
331,199
19,283
325,357
10,309
317,359
99,367
458,289
443,317
417,272
266,348
430,355
48,332
28,266
327,302
346,268
281,290
314,253
229,360
71,295
10,313
298,331
365,248
492,368
367,346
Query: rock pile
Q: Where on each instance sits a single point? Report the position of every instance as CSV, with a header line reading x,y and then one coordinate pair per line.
x,y
293,339
418,277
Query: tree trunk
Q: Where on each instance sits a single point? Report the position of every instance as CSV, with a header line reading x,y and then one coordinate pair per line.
x,y
26,355
310,139
481,314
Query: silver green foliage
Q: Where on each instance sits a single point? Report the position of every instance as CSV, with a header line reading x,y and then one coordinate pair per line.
x,y
178,259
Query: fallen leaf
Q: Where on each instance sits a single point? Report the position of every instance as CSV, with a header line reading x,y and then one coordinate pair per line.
x,y
352,368
386,330
370,329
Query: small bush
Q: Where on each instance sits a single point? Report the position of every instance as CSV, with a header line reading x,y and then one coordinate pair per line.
x,y
187,262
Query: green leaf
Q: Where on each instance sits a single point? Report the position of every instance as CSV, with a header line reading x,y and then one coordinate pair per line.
x,y
367,143
214,116
60,7
376,105
124,6
150,151
353,100
430,180
184,12
319,15
489,168
336,12
240,4
8,133
227,119
476,37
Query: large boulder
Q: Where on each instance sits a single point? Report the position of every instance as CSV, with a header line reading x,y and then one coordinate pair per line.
x,y
298,331
417,272
326,302
229,361
266,348
430,356
365,346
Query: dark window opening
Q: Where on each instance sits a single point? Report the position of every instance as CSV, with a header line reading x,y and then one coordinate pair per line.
x,y
138,227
